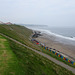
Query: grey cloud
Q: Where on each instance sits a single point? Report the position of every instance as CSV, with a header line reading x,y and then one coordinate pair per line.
x,y
50,12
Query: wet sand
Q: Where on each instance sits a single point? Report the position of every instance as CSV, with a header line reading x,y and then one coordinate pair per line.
x,y
50,42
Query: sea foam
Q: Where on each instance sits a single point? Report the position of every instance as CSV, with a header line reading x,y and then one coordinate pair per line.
x,y
53,34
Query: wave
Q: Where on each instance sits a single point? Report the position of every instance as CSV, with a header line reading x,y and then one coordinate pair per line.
x,y
48,32
61,36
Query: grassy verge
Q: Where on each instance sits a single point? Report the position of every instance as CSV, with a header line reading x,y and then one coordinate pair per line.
x,y
34,64
18,60
8,61
19,33
22,34
55,56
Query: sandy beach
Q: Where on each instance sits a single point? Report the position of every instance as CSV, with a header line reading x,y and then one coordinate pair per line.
x,y
50,42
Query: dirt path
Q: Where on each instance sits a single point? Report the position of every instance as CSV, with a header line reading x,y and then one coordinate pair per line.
x,y
45,55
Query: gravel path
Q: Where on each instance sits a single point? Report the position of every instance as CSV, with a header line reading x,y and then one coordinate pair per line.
x,y
45,55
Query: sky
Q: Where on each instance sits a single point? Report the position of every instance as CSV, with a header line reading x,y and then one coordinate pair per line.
x,y
38,12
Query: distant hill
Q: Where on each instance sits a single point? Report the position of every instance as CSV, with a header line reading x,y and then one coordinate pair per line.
x,y
8,23
32,25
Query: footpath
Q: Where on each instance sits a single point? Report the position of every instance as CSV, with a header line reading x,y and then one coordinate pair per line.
x,y
45,55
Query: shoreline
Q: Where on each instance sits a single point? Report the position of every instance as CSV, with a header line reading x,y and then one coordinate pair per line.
x,y
49,41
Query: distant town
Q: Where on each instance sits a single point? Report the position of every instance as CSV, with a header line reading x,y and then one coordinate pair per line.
x,y
8,23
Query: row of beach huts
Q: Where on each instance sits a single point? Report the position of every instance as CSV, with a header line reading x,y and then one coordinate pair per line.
x,y
54,51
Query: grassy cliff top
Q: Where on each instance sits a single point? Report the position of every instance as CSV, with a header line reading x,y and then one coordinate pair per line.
x,y
8,60
18,60
20,33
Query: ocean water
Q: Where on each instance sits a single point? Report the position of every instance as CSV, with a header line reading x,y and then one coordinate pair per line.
x,y
64,35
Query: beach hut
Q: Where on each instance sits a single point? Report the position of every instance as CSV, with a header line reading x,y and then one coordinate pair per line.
x,y
51,51
37,43
45,47
61,56
64,58
69,61
55,53
73,63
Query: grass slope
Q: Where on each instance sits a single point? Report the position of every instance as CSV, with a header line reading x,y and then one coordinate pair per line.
x,y
19,33
8,62
30,63
34,64
55,56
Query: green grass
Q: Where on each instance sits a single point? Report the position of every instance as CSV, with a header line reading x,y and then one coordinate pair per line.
x,y
8,62
19,33
22,34
23,61
34,64
55,56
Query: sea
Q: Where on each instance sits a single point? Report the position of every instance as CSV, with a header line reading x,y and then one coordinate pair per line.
x,y
64,35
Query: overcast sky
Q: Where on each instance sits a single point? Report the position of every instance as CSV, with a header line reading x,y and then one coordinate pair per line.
x,y
47,12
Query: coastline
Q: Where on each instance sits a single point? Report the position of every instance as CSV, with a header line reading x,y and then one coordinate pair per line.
x,y
49,41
